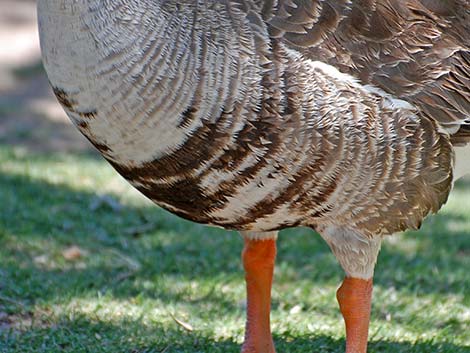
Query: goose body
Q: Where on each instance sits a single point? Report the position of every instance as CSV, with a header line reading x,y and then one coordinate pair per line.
x,y
350,117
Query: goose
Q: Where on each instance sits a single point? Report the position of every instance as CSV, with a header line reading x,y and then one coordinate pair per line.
x,y
350,117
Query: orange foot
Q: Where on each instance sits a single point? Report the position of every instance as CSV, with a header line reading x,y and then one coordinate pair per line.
x,y
258,260
258,347
354,297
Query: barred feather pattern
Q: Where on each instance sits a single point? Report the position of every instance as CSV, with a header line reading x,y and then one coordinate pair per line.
x,y
234,113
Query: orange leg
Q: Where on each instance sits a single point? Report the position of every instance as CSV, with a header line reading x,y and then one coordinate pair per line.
x,y
354,297
258,260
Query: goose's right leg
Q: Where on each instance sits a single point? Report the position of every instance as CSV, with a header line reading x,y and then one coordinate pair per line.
x,y
357,254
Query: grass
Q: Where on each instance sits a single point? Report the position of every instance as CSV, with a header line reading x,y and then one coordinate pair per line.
x,y
24,72
89,265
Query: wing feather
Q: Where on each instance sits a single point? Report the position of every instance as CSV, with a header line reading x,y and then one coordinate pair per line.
x,y
416,50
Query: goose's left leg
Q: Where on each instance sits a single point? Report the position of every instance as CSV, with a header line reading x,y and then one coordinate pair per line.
x,y
258,257
357,255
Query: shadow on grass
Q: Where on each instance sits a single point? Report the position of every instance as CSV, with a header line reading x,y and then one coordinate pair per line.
x,y
137,337
30,115
40,219
46,218
462,184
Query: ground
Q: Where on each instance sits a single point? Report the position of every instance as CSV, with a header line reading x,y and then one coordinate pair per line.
x,y
30,115
89,265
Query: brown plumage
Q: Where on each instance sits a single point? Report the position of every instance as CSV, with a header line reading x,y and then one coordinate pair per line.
x,y
414,50
258,115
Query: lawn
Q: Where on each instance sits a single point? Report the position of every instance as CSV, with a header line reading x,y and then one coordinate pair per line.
x,y
89,265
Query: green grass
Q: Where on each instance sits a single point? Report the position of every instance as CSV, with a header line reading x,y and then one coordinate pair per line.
x,y
141,268
24,72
